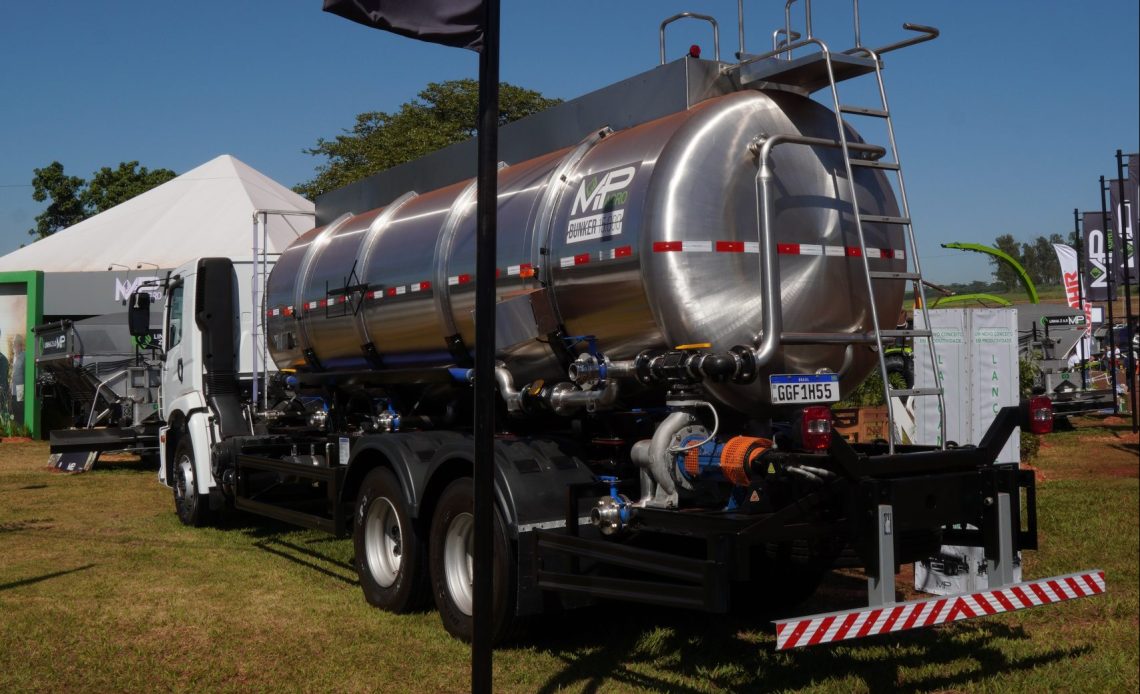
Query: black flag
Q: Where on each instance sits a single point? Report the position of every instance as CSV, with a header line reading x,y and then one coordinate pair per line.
x,y
456,23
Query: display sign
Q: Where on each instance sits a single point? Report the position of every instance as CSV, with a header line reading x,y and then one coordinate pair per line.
x,y
1122,214
1098,245
978,367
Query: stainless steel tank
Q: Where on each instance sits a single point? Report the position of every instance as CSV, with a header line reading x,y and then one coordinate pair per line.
x,y
645,238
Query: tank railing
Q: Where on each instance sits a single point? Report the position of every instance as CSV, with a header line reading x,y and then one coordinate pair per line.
x,y
740,28
778,43
692,15
259,350
772,335
788,21
928,33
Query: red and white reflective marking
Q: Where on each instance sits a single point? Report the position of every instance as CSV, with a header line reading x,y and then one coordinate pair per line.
x,y
600,256
781,249
456,280
869,621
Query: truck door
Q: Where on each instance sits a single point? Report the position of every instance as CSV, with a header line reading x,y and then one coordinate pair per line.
x,y
179,369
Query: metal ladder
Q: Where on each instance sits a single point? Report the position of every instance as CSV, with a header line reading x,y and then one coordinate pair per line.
x,y
825,69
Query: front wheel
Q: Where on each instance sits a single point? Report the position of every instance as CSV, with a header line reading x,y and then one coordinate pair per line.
x,y
390,554
192,507
452,548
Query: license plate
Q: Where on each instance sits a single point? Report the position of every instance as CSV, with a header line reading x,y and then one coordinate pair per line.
x,y
799,389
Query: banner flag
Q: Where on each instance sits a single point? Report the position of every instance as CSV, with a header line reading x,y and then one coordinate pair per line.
x,y
1133,190
457,23
1096,245
1071,280
1123,229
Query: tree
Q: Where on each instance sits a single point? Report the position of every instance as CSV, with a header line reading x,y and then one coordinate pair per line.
x,y
442,114
66,206
74,199
1005,275
110,187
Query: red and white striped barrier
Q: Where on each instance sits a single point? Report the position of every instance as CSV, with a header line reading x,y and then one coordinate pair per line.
x,y
869,621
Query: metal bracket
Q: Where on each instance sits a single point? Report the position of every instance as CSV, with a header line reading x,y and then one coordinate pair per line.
x,y
881,587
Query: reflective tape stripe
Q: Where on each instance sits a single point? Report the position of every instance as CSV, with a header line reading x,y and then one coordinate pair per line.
x,y
851,624
781,249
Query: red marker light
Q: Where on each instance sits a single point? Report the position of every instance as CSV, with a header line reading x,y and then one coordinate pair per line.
x,y
694,51
1040,414
816,428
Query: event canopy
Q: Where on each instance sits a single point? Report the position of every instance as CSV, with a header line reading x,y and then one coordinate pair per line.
x,y
207,211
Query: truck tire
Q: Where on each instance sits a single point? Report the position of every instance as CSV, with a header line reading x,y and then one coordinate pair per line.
x,y
391,559
902,364
452,558
193,508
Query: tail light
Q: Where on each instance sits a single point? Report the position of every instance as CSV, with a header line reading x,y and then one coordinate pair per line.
x,y
1040,414
816,428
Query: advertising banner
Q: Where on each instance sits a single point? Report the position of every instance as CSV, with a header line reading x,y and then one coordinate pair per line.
x,y
1133,190
1097,244
977,363
1123,211
1071,281
949,327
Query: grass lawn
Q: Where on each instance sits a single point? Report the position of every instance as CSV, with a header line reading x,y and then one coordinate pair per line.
x,y
101,589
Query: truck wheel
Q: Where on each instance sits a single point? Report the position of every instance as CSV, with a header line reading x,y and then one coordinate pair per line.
x,y
903,365
391,558
452,546
193,508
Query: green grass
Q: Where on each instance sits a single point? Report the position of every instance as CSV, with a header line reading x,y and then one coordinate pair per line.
x,y
101,589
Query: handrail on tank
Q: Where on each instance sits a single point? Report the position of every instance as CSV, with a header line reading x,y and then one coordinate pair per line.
x,y
777,44
928,34
772,323
788,21
693,15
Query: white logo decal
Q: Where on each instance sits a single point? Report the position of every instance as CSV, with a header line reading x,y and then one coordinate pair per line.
x,y
609,192
124,288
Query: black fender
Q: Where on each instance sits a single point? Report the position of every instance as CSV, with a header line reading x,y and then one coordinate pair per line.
x,y
532,475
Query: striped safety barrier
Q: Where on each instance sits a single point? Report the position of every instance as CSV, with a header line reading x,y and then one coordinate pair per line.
x,y
869,621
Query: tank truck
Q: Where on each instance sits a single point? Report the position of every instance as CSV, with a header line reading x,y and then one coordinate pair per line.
x,y
692,264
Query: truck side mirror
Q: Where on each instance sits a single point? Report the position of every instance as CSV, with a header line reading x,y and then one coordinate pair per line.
x,y
138,314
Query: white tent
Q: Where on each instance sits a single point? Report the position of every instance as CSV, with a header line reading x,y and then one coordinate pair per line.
x,y
207,211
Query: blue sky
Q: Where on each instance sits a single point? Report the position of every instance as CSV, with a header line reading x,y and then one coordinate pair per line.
x,y
1004,123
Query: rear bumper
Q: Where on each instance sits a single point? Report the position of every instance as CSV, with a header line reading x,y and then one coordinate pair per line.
x,y
832,627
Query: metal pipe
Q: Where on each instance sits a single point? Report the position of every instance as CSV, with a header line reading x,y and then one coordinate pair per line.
x,y
507,390
486,244
772,326
855,14
740,27
656,459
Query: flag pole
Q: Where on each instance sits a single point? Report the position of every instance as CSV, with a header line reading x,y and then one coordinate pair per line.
x,y
1086,339
1110,265
485,260
1124,220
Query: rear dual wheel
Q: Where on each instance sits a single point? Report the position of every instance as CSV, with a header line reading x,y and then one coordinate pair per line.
x,y
452,548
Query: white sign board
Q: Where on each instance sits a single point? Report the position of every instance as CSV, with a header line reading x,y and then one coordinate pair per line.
x,y
977,363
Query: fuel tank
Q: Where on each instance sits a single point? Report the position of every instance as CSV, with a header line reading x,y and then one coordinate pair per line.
x,y
644,238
